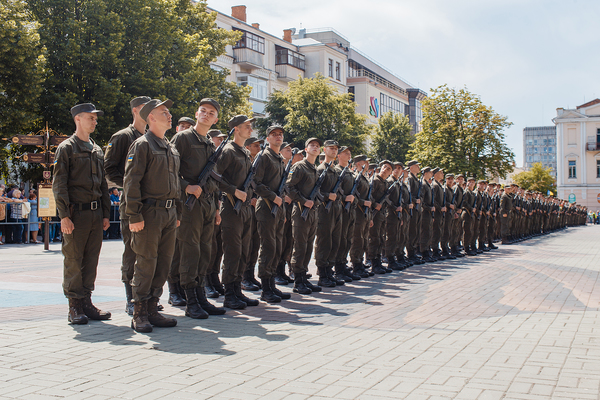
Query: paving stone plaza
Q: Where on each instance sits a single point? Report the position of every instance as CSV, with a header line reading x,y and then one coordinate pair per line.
x,y
520,322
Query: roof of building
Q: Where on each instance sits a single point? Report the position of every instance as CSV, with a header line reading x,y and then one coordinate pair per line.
x,y
589,103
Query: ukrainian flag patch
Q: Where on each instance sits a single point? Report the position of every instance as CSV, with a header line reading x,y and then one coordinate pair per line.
x,y
110,145
130,158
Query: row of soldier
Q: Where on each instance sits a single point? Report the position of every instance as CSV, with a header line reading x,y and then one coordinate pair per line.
x,y
205,193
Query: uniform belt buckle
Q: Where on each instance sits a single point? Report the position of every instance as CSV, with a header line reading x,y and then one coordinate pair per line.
x,y
169,203
94,205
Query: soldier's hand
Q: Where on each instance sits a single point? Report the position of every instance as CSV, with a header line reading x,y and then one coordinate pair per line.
x,y
367,203
253,202
178,223
371,224
332,196
309,203
278,200
398,209
411,206
444,209
241,195
432,209
452,206
66,225
288,199
378,206
349,198
505,215
474,210
218,218
196,190
418,201
137,226
105,224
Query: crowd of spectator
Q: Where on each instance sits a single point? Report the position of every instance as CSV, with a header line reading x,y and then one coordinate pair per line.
x,y
19,221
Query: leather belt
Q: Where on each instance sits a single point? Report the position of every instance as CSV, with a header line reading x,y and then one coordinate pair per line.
x,y
87,206
170,203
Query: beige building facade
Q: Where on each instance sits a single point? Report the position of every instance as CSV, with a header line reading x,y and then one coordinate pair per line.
x,y
578,154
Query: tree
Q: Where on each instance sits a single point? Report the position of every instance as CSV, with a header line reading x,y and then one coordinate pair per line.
x,y
392,138
537,178
21,72
461,134
109,51
310,107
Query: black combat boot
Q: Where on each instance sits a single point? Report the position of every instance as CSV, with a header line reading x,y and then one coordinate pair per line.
x,y
314,288
238,292
231,300
341,273
216,283
338,281
175,298
471,251
323,278
267,293
157,319
210,291
280,277
76,315
91,311
140,322
376,267
129,296
207,306
284,296
492,246
299,285
350,272
359,269
192,308
249,282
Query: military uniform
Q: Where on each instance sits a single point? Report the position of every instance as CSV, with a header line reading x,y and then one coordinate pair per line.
x,y
374,250
506,206
438,219
415,218
448,221
392,224
457,228
347,230
361,228
426,220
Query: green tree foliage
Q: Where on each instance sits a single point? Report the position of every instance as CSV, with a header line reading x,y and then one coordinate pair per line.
x,y
392,138
461,134
109,51
310,107
537,178
21,72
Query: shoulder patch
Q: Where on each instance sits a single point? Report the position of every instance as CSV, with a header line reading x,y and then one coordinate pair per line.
x,y
130,158
110,144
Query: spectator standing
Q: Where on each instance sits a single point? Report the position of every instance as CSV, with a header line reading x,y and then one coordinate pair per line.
x,y
34,225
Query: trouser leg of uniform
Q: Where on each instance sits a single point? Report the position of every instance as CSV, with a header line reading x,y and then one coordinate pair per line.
x,y
505,227
414,231
154,246
491,229
360,234
403,235
446,230
128,260
425,237
324,243
304,233
287,241
235,230
436,230
174,276
392,234
270,229
346,234
336,233
81,250
195,235
216,253
467,224
375,236
254,244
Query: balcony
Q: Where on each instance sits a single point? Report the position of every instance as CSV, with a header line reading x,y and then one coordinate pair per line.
x,y
288,73
289,64
248,58
593,146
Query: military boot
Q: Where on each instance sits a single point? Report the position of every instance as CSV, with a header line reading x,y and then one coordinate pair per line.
x,y
216,283
341,273
284,296
314,288
350,272
209,290
193,309
376,267
280,276
207,306
76,315
231,300
470,251
91,311
324,278
359,269
299,285
248,281
157,319
238,292
140,322
332,277
129,296
267,293
175,298
492,246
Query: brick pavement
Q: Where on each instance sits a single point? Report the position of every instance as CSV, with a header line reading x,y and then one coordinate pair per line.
x,y
522,322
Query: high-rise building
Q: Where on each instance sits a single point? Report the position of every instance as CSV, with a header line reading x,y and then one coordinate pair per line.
x,y
539,146
578,154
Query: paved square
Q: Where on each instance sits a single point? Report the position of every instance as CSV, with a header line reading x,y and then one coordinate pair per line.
x,y
521,322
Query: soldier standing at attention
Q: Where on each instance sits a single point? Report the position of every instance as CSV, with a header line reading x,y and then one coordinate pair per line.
x,y
380,186
506,205
468,216
361,221
152,192
392,221
195,234
301,181
269,173
329,222
114,165
83,204
438,215
428,209
449,218
415,218
236,228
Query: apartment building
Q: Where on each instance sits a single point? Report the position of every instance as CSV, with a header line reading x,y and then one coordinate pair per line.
x,y
267,63
539,146
578,154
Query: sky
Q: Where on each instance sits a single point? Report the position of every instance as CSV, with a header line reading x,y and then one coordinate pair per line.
x,y
524,58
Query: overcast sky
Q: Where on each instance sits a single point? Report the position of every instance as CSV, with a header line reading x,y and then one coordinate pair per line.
x,y
524,58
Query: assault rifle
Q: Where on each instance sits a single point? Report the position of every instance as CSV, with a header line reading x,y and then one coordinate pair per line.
x,y
369,193
248,182
207,171
336,188
444,202
282,189
419,191
400,197
354,188
314,193
384,197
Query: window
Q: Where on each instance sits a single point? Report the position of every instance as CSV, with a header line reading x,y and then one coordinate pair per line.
x,y
337,71
330,68
250,41
351,90
598,135
549,149
390,104
597,168
259,87
285,56
572,170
